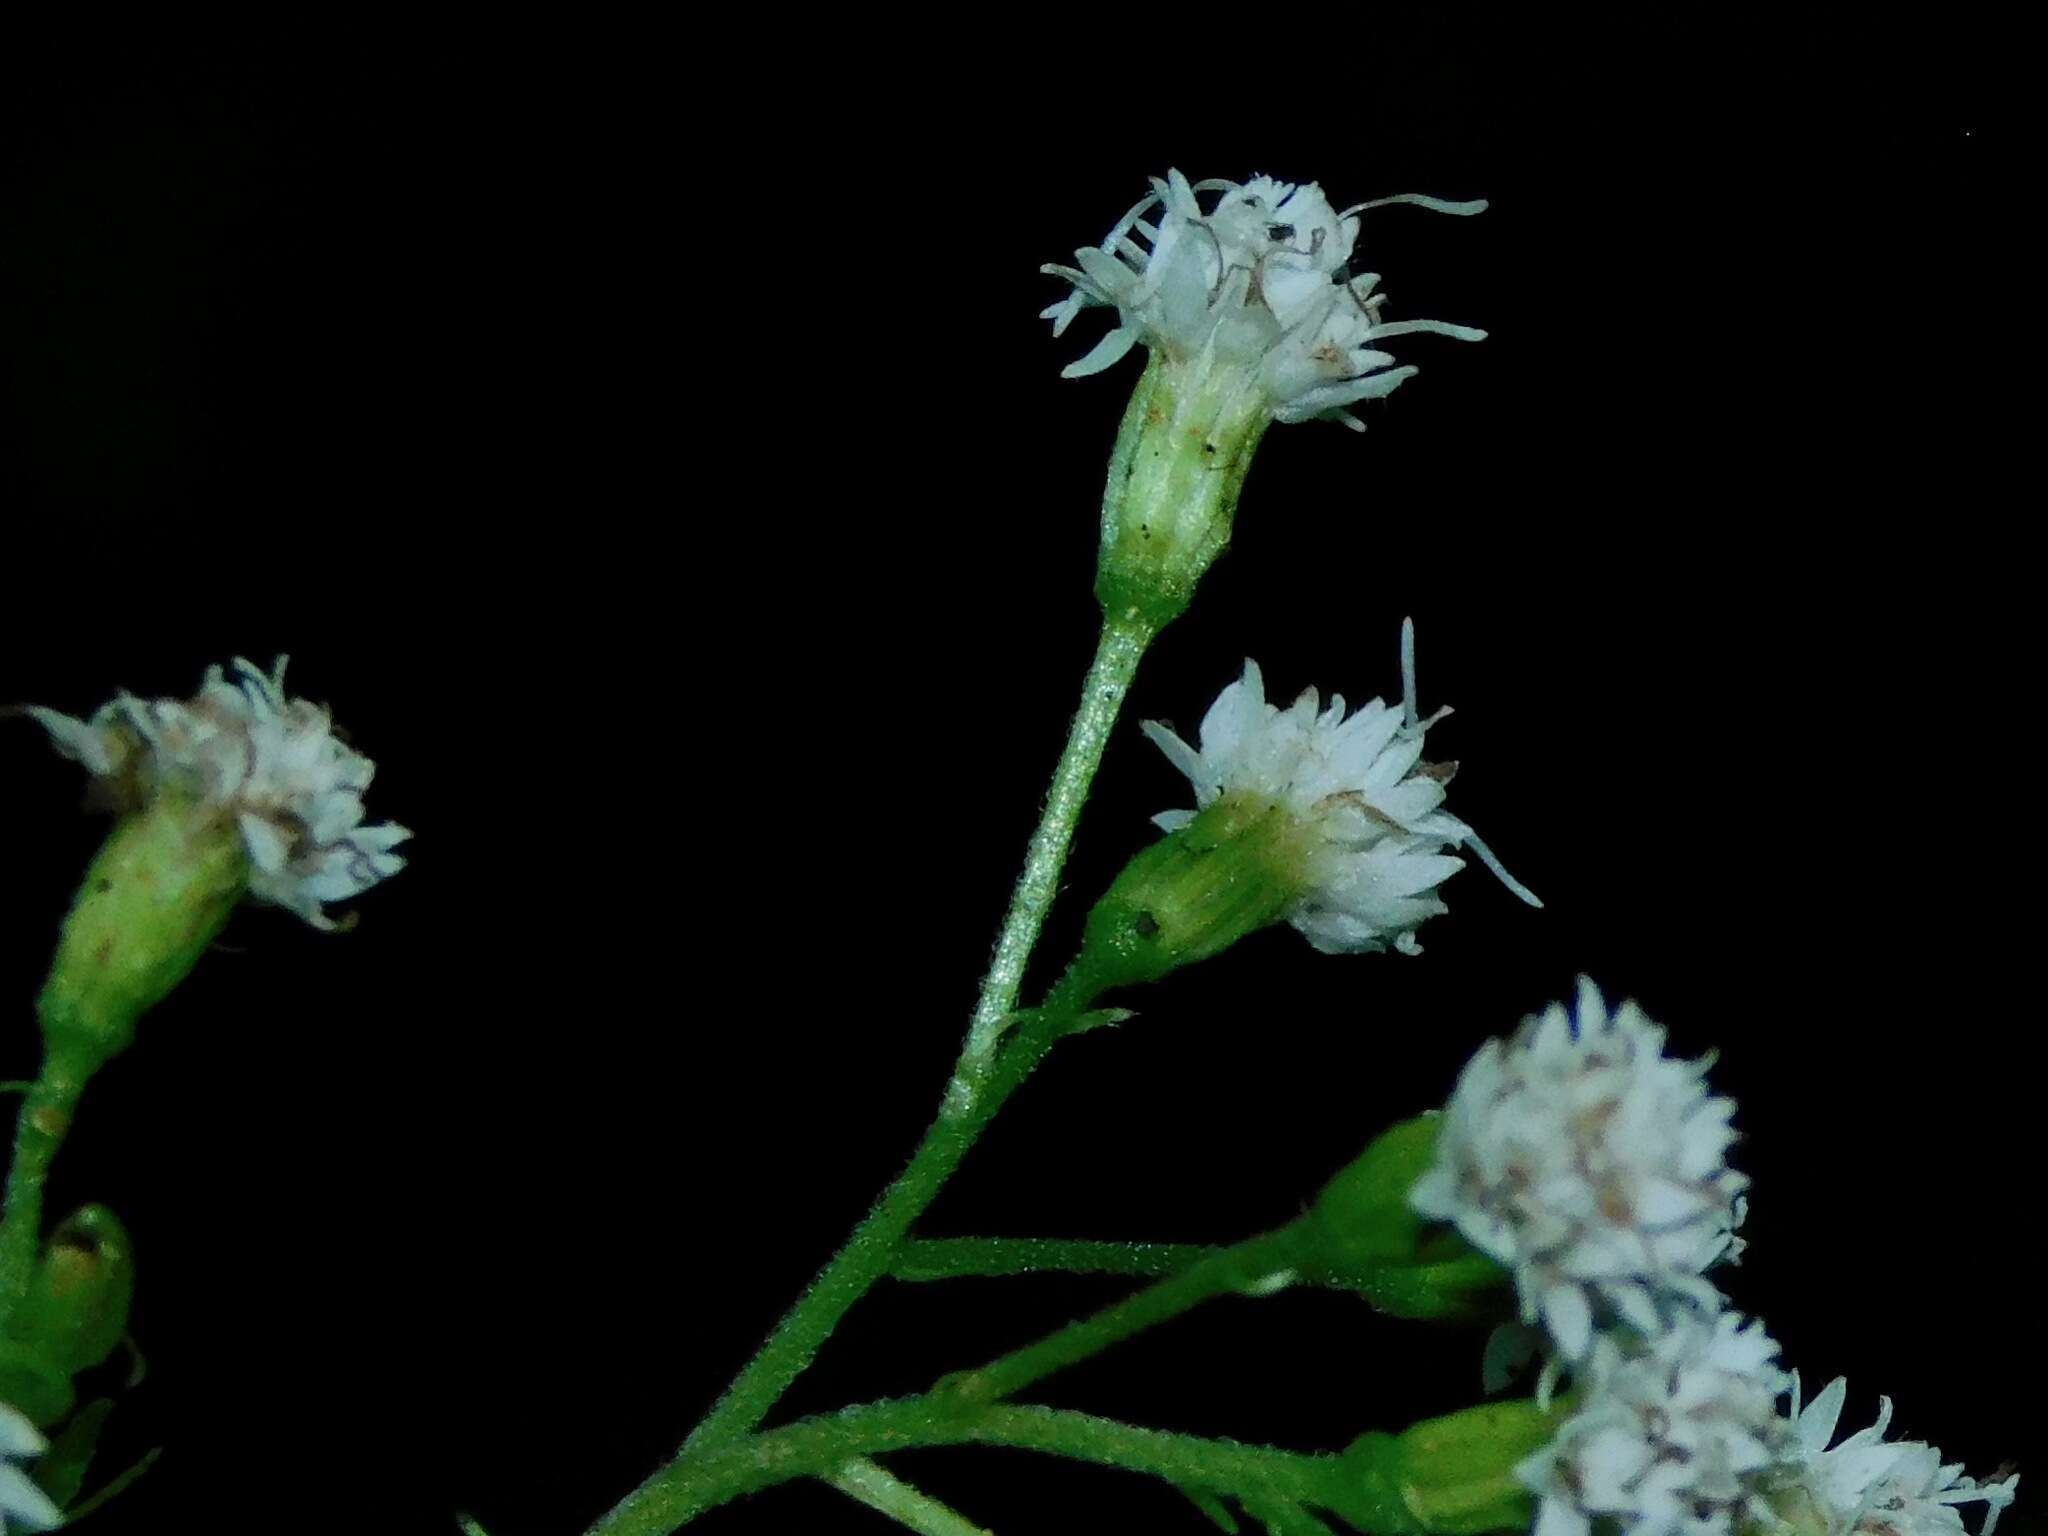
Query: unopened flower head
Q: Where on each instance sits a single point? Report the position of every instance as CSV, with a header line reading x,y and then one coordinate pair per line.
x,y
1364,811
1592,1165
1868,1486
1674,1437
1260,281
23,1506
272,763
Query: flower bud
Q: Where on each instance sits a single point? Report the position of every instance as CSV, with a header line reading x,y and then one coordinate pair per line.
x,y
72,1317
1366,1232
152,901
76,1310
1456,1474
1363,1215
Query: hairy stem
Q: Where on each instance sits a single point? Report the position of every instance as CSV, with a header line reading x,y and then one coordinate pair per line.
x,y
1403,1289
45,1116
721,1472
955,1258
867,1254
1117,653
1252,1266
987,1073
874,1486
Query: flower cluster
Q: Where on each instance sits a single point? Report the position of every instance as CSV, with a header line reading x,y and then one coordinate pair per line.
x,y
1591,1165
1369,809
23,1505
1261,281
1683,1436
273,763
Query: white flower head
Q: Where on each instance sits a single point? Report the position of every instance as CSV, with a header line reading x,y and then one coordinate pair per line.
x,y
1376,834
1669,1441
274,763
23,1506
1868,1486
1592,1165
1261,280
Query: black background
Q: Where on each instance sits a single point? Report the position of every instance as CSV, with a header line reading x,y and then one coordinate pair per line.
x,y
647,444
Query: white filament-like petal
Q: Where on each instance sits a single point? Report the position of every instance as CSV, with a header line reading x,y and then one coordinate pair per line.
x,y
1258,280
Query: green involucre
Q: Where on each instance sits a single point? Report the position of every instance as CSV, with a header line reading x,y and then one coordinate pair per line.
x,y
152,901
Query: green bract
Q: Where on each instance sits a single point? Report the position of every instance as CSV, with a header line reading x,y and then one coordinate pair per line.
x,y
1363,1227
1234,869
1180,460
1457,1473
162,886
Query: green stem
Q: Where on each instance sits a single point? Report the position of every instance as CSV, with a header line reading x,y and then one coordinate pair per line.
x,y
874,1486
1247,1266
1403,1289
721,1472
983,1079
955,1258
39,1130
1117,653
866,1256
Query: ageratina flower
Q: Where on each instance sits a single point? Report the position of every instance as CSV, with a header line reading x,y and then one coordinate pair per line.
x,y
273,764
1252,315
1670,1439
23,1506
1362,824
1867,1486
1261,281
1590,1164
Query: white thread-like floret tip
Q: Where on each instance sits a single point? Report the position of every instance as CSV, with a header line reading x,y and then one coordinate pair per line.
x,y
272,762
1378,838
1592,1166
1261,279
